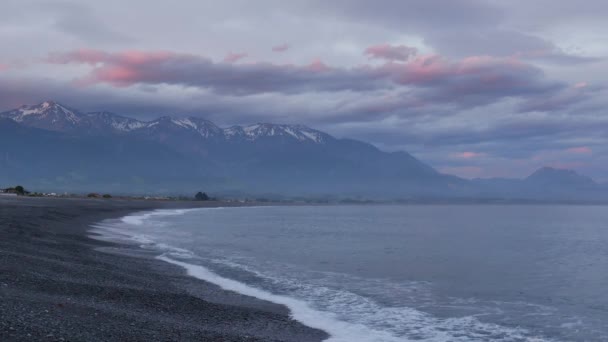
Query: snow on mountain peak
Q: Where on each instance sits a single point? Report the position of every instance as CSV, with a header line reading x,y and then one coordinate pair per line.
x,y
49,104
47,110
186,123
54,116
260,130
113,121
204,128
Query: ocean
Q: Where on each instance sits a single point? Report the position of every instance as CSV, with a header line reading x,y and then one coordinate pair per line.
x,y
400,272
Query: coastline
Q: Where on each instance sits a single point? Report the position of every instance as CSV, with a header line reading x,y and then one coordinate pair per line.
x,y
59,284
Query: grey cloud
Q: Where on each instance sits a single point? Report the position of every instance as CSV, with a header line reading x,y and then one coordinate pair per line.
x,y
431,79
81,22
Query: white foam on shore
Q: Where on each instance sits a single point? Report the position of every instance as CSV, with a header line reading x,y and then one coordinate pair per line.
x,y
138,219
301,311
340,331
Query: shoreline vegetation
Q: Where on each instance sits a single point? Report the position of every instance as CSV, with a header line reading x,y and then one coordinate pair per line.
x,y
59,284
274,199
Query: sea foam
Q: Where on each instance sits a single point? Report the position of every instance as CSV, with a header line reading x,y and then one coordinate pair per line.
x,y
139,218
302,312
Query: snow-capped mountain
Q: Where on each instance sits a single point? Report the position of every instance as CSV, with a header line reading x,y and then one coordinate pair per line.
x,y
260,157
47,115
205,128
52,144
208,130
195,126
104,121
258,131
53,116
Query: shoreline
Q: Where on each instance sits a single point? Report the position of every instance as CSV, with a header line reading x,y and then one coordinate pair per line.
x,y
59,284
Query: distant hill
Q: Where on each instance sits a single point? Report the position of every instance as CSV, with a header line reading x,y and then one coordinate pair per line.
x,y
548,176
56,147
545,183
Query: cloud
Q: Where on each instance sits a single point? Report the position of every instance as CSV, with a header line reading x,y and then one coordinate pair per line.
x,y
468,155
469,82
390,52
3,67
127,68
95,57
234,57
552,54
428,79
561,100
580,150
82,22
475,27
416,14
281,47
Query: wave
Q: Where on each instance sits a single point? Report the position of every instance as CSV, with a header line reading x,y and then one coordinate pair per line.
x,y
138,219
301,311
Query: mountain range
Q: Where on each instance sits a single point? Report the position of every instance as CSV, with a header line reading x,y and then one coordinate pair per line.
x,y
55,147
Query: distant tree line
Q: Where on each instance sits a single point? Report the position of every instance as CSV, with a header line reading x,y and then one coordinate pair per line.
x,y
94,195
201,196
19,190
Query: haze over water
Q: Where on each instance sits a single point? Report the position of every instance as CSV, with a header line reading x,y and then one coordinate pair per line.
x,y
399,273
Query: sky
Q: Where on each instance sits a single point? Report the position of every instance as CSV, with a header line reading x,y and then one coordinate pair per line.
x,y
474,88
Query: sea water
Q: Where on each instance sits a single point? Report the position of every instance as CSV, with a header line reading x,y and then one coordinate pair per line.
x,y
400,273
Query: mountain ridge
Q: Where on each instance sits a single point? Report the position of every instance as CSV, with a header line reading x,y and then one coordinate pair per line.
x,y
58,114
262,157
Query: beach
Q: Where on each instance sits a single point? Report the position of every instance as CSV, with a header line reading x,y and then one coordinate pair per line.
x,y
59,284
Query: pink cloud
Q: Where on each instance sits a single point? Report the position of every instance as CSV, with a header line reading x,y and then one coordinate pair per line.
x,y
117,75
120,69
580,85
136,57
3,67
580,150
468,155
431,79
318,66
126,68
281,48
479,79
391,52
423,69
433,68
234,57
